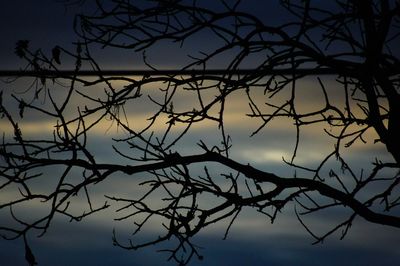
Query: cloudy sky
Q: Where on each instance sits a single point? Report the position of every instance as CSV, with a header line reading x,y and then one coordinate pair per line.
x,y
253,240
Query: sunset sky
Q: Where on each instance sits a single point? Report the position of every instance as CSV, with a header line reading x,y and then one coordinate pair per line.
x,y
253,240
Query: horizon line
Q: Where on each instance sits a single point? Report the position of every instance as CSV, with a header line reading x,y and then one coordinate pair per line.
x,y
161,72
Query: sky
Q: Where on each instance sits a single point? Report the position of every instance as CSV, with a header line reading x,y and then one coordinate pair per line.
x,y
53,25
253,240
45,25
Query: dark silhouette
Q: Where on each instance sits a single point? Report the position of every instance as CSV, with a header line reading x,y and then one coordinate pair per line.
x,y
354,40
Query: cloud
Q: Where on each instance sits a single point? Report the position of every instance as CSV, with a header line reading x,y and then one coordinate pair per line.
x,y
87,244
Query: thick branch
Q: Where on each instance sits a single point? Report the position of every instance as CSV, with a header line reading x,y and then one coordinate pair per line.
x,y
247,170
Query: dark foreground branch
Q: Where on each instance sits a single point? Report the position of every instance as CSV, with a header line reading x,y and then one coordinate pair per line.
x,y
258,176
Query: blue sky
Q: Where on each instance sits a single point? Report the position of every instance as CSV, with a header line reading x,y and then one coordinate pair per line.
x,y
253,240
45,25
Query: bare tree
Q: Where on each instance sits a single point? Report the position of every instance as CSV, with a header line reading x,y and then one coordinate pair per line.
x,y
353,40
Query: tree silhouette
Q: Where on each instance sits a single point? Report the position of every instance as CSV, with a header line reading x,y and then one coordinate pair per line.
x,y
353,40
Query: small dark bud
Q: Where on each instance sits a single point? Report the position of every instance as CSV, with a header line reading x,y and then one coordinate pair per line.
x,y
21,107
20,48
56,54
